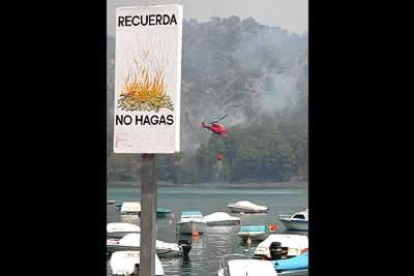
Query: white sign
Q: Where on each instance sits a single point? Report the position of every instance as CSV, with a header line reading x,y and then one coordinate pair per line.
x,y
148,79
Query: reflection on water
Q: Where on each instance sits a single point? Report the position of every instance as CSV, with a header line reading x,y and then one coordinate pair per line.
x,y
217,241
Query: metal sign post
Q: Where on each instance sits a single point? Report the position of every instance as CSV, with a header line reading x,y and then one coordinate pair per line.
x,y
148,215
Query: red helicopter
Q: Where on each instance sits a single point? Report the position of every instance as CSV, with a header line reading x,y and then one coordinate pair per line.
x,y
215,127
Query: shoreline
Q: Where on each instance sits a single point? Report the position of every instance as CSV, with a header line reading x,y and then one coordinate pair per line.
x,y
250,185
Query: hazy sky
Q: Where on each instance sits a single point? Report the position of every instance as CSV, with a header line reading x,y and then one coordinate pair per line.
x,y
291,15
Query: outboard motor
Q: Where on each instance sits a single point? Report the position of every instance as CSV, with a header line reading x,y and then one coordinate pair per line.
x,y
136,270
186,246
276,251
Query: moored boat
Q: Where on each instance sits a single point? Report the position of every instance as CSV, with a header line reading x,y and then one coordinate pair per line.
x,y
132,242
295,266
192,222
278,246
120,229
221,219
131,208
162,212
298,221
123,263
256,232
240,265
247,207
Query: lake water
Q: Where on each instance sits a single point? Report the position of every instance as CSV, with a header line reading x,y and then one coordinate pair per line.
x,y
208,248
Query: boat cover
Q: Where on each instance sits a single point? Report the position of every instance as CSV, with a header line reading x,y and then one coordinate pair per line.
x,y
220,216
131,207
295,263
135,240
251,267
122,227
247,204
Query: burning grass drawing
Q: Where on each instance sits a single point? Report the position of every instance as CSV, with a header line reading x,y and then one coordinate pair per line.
x,y
144,91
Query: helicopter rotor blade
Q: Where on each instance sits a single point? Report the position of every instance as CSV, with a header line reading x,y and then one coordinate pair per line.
x,y
222,118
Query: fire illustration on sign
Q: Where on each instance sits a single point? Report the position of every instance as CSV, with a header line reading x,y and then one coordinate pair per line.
x,y
145,90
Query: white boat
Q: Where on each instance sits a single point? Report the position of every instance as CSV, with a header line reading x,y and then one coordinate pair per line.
x,y
132,242
134,219
221,218
288,245
296,266
123,263
299,221
191,222
131,208
241,265
302,272
247,207
256,232
120,229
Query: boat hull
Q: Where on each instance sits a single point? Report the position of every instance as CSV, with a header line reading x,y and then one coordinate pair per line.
x,y
122,263
168,253
189,227
132,214
254,236
223,223
111,248
246,211
161,252
163,214
295,224
296,244
302,272
120,234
